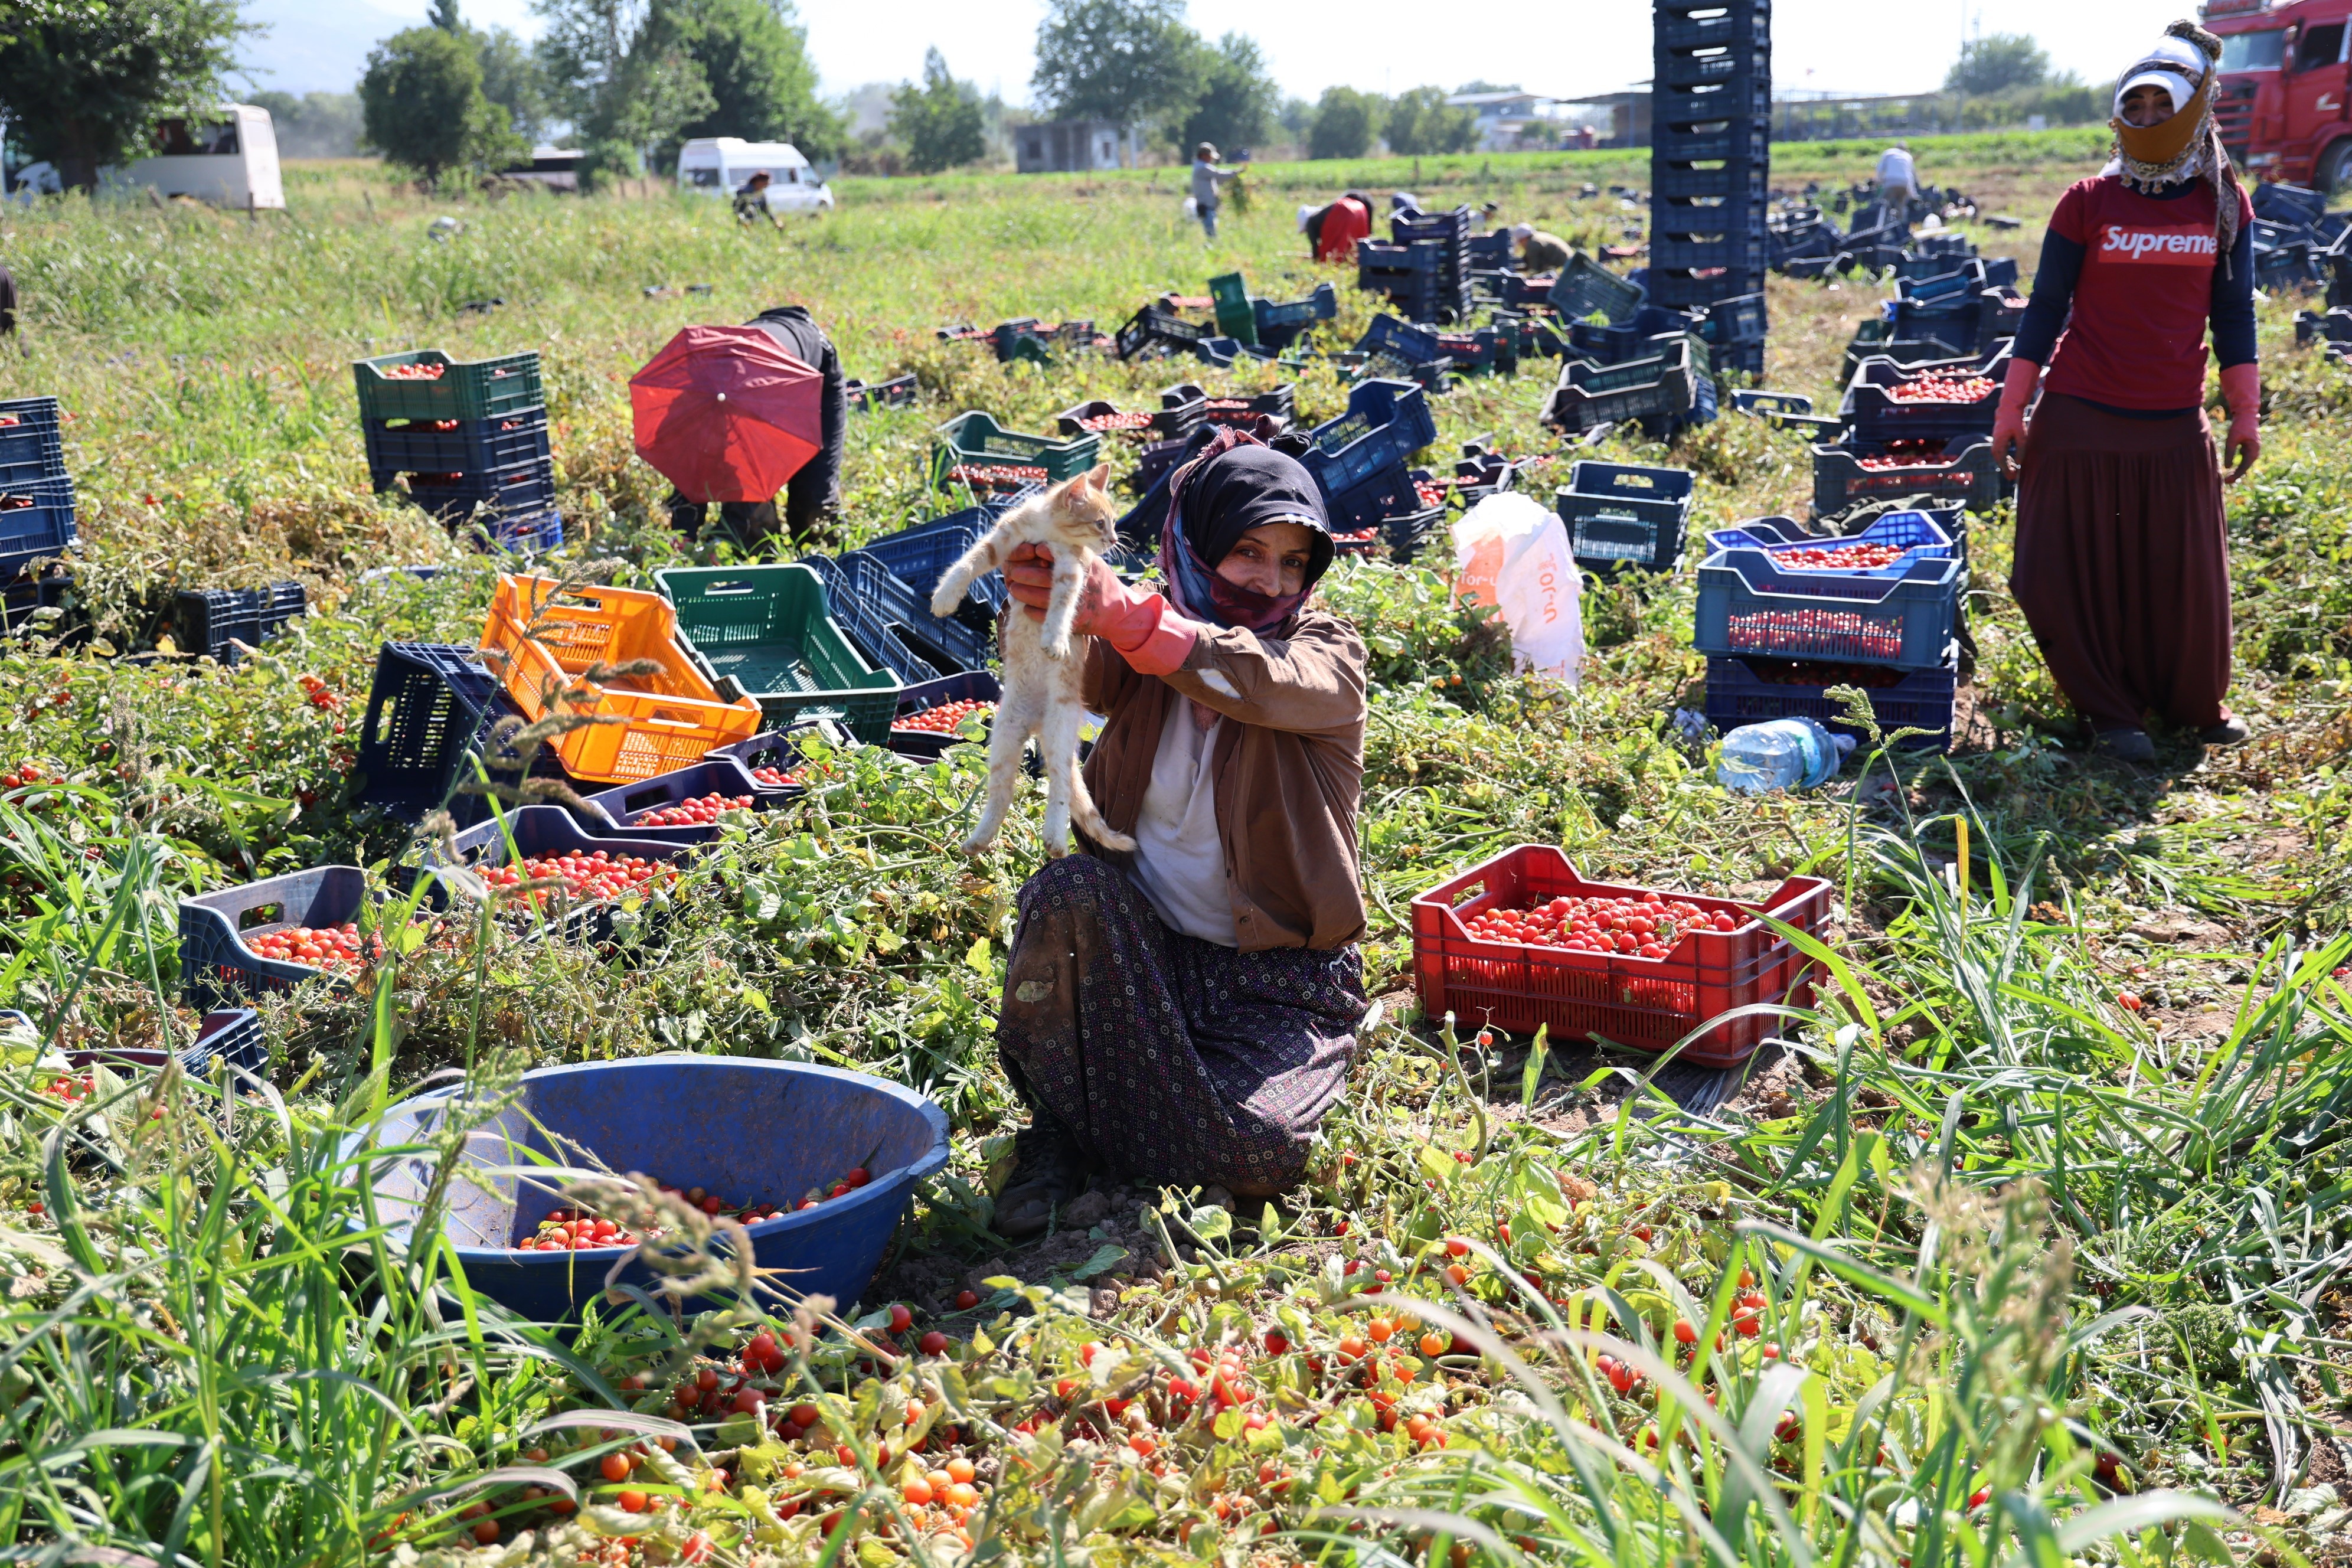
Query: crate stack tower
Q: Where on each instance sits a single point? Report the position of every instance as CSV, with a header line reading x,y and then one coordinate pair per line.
x,y
464,435
1710,167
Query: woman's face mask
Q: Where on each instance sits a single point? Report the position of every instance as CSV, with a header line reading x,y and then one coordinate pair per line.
x,y
2147,106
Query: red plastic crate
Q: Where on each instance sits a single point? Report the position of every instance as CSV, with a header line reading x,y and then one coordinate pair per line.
x,y
1647,1004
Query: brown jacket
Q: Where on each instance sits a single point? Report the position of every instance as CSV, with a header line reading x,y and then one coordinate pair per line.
x,y
1288,773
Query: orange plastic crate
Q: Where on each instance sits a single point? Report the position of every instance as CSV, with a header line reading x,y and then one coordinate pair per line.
x,y
666,721
1647,1004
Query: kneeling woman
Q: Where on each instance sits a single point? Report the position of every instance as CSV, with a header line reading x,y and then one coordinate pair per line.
x,y
1187,1013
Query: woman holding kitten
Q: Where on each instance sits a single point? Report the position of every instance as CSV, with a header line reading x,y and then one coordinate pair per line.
x,y
1187,1013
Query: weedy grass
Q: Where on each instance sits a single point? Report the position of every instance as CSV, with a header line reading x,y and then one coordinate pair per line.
x,y
2027,1246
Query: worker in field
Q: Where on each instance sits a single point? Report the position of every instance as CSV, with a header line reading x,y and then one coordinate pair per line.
x,y
2121,563
1332,231
8,302
812,495
1207,181
1538,252
1899,181
751,199
1186,1012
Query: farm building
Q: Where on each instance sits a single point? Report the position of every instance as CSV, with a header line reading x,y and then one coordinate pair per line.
x,y
1068,146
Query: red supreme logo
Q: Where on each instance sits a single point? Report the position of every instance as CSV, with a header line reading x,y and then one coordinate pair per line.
x,y
2163,247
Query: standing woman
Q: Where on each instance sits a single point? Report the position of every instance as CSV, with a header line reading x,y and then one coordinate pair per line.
x,y
2121,564
1187,1013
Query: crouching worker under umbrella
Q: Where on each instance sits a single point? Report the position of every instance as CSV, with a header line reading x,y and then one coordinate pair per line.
x,y
1332,231
736,415
1187,1013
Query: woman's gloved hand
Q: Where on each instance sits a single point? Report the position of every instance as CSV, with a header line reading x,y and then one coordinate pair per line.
x,y
2008,421
1152,638
2241,389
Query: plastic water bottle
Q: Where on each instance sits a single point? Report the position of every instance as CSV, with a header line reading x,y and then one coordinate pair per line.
x,y
1786,753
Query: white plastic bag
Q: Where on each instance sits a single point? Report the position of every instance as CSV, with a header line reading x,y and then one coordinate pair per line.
x,y
1511,553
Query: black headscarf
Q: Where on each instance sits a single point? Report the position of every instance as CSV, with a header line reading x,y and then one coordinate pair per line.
x,y
1237,484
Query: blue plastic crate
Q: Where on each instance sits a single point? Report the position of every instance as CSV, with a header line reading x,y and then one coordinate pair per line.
x,y
1585,288
31,448
1294,316
1747,608
430,707
1390,493
1624,514
1386,423
898,391
538,830
1745,691
1735,322
1412,344
24,598
1712,24
1451,228
206,620
227,1035
528,535
871,577
917,556
973,686
36,521
624,807
215,965
465,446
891,624
523,490
1919,536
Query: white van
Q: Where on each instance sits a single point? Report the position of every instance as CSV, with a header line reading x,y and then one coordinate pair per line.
x,y
229,160
717,166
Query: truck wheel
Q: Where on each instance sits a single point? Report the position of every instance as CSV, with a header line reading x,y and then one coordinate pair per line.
x,y
2336,168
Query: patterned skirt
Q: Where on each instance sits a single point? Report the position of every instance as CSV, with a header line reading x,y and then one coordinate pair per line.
x,y
1172,1059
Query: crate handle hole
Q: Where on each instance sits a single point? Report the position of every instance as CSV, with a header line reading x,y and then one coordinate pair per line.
x,y
261,915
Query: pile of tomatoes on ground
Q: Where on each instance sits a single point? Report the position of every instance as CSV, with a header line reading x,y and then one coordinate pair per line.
x,y
698,812
944,719
1646,925
337,949
1848,557
998,476
1805,630
600,875
1116,420
1942,387
1911,452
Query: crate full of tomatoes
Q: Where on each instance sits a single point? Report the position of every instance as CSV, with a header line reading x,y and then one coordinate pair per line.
x,y
1888,401
1748,606
1855,473
1524,942
1885,549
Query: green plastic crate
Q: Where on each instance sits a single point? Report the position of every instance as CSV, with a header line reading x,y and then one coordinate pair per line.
x,y
766,627
1236,316
977,438
466,389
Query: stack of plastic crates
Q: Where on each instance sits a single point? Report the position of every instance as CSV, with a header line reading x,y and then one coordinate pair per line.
x,y
37,500
461,438
1710,162
1426,267
1802,627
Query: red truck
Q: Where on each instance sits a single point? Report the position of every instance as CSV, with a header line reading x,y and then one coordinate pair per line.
x,y
2286,102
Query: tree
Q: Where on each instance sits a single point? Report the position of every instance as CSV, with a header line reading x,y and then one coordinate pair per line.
x,y
316,125
941,122
511,79
626,80
1343,124
1481,85
1125,60
83,86
1238,103
422,107
1996,61
445,16
756,65
1421,122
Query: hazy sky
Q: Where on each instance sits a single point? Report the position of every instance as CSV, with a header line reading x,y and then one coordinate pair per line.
x,y
1565,47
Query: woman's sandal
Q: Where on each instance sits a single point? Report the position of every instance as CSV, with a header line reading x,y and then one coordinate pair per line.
x,y
1049,1169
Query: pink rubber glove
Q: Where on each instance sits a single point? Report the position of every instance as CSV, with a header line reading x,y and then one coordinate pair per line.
x,y
2241,389
1140,627
2008,421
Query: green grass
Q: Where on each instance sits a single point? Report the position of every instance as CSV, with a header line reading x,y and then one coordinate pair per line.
x,y
2012,1235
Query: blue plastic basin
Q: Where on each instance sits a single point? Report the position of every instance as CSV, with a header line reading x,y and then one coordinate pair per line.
x,y
752,1132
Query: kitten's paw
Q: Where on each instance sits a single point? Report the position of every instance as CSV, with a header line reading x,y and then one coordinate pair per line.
x,y
1056,647
978,842
944,604
1056,851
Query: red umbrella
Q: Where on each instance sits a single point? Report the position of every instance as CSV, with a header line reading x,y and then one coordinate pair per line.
x,y
725,414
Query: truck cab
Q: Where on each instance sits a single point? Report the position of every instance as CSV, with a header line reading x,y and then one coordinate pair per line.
x,y
2285,106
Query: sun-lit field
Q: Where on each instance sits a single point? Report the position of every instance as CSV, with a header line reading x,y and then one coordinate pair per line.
x,y
2029,1240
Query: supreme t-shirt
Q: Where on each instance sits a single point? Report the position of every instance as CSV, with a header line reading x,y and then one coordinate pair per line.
x,y
2136,338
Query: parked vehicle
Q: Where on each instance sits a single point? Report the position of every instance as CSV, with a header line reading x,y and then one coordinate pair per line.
x,y
719,166
557,168
230,160
2286,102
